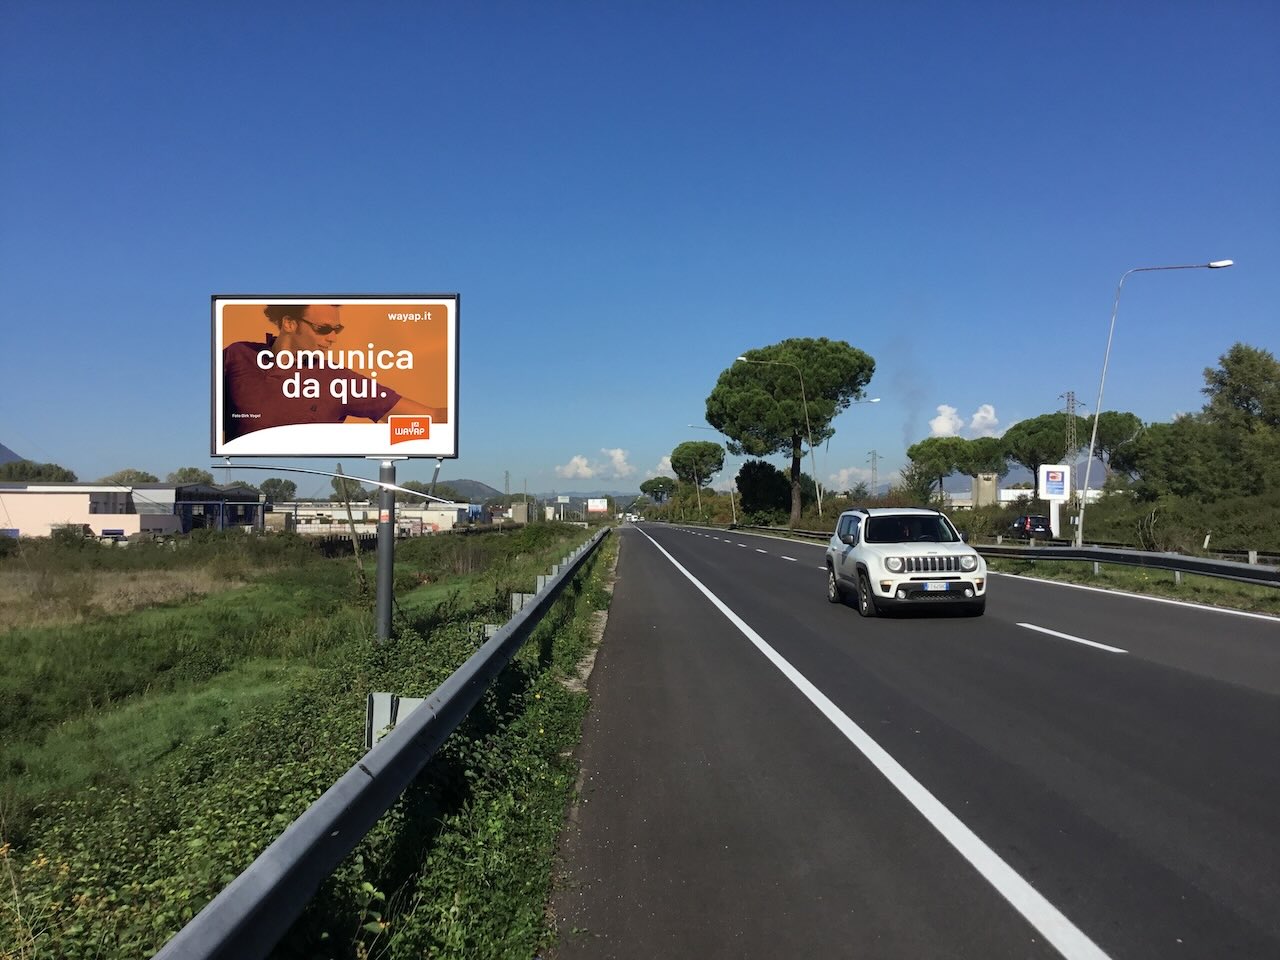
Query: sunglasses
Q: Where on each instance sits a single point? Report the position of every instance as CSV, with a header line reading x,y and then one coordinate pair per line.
x,y
322,329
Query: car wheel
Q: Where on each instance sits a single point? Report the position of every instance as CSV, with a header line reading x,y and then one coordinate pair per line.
x,y
834,595
866,601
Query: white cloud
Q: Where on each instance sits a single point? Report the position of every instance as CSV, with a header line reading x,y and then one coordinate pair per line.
x,y
946,423
849,477
613,466
663,469
618,462
985,423
576,469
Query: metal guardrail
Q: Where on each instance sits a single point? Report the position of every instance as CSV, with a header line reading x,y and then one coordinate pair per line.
x,y
256,909
1255,573
818,534
1261,574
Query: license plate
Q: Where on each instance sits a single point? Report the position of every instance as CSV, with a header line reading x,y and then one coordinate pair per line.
x,y
937,585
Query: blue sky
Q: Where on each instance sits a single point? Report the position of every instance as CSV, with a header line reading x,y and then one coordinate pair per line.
x,y
627,196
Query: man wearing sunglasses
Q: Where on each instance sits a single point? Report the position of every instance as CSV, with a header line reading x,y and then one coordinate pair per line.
x,y
256,392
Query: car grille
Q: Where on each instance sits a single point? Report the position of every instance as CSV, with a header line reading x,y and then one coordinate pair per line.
x,y
932,564
937,596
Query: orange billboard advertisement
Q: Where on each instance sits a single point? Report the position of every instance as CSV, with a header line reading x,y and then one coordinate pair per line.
x,y
325,376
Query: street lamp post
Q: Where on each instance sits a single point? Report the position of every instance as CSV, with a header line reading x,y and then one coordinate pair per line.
x,y
813,460
1106,358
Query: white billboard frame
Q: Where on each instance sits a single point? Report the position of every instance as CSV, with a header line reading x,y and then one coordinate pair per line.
x,y
349,416
1055,482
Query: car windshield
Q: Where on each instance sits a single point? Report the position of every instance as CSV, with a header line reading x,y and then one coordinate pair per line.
x,y
909,528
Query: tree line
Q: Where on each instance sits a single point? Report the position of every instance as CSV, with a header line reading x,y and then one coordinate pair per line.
x,y
276,489
782,399
1230,448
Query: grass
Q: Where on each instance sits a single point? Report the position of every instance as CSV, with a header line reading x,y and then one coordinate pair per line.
x,y
231,712
112,748
1194,588
45,598
53,674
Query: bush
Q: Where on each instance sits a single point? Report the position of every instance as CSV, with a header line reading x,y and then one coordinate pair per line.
x,y
464,856
1181,524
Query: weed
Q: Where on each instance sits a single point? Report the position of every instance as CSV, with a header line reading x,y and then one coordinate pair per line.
x,y
1209,590
168,746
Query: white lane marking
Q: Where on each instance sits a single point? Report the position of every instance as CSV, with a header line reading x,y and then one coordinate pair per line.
x,y
1067,636
1140,596
758,550
792,559
1069,939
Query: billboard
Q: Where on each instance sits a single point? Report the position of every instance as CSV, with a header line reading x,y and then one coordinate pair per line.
x,y
1055,481
597,505
334,376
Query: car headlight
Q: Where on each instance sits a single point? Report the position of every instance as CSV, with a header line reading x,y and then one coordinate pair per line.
x,y
969,562
893,564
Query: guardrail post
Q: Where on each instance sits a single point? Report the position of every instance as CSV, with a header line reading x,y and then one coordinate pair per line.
x,y
1253,556
386,550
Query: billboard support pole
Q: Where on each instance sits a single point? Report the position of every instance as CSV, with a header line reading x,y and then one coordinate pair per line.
x,y
386,547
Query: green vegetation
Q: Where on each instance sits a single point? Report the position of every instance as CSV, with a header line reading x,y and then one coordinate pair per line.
x,y
1205,483
1162,583
144,786
30,471
697,461
783,397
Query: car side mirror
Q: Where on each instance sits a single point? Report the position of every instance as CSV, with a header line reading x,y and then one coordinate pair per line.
x,y
849,538
964,537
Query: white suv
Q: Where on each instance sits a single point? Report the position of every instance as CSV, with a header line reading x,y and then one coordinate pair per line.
x,y
903,557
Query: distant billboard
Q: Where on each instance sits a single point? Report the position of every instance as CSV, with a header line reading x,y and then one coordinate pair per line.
x,y
334,376
1055,481
597,505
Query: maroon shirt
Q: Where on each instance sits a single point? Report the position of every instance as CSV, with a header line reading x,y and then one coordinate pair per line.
x,y
248,390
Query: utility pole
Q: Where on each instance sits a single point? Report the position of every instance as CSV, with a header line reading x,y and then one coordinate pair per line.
x,y
1072,444
874,459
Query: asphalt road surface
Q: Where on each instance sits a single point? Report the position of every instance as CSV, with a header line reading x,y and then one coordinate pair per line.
x,y
764,774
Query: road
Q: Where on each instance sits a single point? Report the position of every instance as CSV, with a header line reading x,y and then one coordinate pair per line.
x,y
765,774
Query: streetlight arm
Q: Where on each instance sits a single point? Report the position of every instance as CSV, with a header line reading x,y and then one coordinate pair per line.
x,y
1106,358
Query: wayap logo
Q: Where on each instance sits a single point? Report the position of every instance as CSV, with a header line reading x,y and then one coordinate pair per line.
x,y
409,428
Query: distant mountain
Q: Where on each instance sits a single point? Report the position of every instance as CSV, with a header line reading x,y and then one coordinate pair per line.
x,y
7,455
590,494
473,491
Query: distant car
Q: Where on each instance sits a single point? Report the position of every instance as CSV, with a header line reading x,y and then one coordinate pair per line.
x,y
903,557
1029,526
